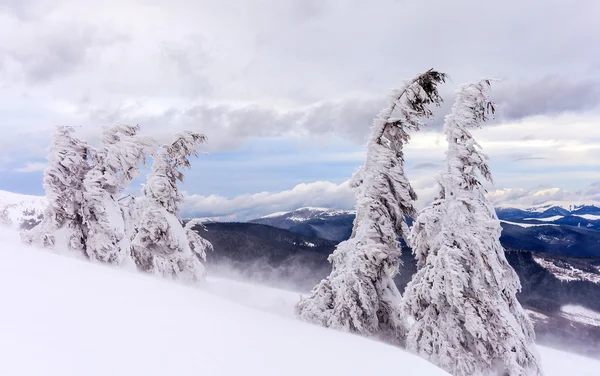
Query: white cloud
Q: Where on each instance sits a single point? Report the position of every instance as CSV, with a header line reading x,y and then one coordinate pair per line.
x,y
316,194
32,167
248,206
519,197
340,196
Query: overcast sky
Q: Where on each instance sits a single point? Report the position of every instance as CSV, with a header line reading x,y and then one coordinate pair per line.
x,y
286,90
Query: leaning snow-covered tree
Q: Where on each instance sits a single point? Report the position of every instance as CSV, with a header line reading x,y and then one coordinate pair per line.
x,y
467,319
63,181
162,245
360,295
115,164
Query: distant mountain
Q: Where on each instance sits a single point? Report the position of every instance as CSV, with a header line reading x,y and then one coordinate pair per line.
x,y
271,254
331,224
563,229
555,213
267,254
554,239
283,258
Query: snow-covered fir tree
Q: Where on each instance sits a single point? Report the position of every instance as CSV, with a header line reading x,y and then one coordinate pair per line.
x,y
162,245
198,244
63,181
115,164
360,295
5,217
467,319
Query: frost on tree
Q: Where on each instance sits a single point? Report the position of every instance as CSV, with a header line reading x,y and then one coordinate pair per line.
x,y
360,295
467,319
162,245
63,181
115,164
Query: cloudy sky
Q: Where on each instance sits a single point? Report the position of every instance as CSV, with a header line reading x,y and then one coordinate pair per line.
x,y
286,90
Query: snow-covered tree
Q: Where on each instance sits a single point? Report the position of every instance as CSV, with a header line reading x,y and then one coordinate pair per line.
x,y
162,245
63,180
467,319
360,295
198,244
5,216
115,164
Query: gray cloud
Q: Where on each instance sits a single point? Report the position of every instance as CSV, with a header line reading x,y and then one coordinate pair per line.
x,y
425,166
548,96
57,52
228,126
519,197
189,58
249,206
26,10
528,158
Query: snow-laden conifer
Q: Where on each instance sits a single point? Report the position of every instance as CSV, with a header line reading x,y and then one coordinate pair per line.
x,y
63,181
115,164
360,295
467,319
162,245
5,217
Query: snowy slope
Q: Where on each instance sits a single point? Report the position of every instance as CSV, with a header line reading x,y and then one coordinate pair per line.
x,y
540,208
525,224
307,213
21,207
63,316
567,272
581,314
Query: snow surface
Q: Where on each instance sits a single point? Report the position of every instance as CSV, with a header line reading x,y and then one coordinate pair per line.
x,y
16,204
581,314
589,217
547,219
567,274
527,224
536,316
539,208
62,316
276,214
308,212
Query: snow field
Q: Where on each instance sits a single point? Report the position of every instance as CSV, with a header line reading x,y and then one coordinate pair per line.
x,y
63,316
